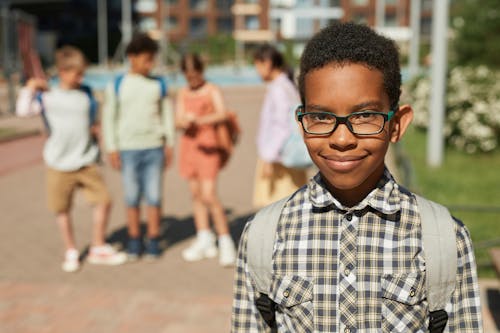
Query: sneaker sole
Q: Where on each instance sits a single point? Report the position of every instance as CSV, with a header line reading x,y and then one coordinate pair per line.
x,y
108,262
209,254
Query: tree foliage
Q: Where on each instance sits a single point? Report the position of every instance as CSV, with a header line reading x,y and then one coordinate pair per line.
x,y
477,38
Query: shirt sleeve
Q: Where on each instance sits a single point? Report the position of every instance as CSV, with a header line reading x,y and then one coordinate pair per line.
x,y
109,120
280,126
245,315
168,121
465,307
26,104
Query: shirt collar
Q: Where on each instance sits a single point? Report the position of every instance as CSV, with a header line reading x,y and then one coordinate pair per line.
x,y
385,197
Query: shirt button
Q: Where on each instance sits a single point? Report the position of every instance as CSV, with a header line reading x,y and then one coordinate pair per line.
x,y
347,330
412,292
347,272
348,217
286,293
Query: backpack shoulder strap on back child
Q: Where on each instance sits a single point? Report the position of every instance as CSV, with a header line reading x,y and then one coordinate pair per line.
x,y
440,251
160,80
260,243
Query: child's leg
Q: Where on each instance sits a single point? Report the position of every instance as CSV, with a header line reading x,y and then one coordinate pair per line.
x,y
212,202
133,222
227,251
200,211
131,162
95,190
204,245
60,187
66,229
151,179
101,215
154,216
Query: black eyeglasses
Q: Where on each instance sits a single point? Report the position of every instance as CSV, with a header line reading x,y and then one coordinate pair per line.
x,y
359,123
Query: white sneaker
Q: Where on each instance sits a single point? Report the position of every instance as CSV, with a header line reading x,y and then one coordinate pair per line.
x,y
106,255
227,251
71,261
203,247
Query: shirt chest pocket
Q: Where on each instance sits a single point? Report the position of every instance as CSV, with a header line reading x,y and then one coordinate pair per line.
x,y
404,308
293,296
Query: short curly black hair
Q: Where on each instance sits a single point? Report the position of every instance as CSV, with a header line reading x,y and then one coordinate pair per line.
x,y
142,43
344,43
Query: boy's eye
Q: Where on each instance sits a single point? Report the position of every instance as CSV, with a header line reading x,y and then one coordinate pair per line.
x,y
363,117
320,117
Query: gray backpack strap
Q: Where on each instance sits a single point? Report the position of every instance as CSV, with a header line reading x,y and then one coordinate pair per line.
x,y
260,244
440,251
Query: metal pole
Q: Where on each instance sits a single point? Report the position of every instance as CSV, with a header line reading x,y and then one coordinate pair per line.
x,y
380,14
163,29
7,64
435,140
126,23
413,60
102,31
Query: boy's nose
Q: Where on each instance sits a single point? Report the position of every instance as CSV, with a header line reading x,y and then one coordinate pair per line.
x,y
342,137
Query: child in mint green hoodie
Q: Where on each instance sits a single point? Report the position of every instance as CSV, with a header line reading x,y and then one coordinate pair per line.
x,y
139,137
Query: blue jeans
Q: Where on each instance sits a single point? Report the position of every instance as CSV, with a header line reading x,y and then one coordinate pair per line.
x,y
142,174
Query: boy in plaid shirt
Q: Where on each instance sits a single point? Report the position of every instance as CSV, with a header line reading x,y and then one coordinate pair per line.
x,y
348,254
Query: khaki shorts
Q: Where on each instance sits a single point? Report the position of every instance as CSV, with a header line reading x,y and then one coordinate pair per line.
x,y
61,186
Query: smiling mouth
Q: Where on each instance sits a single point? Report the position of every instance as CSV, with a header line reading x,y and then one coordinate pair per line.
x,y
343,163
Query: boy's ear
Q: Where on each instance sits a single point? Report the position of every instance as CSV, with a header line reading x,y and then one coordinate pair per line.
x,y
400,122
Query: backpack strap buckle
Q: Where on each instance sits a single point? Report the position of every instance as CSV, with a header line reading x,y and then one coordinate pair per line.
x,y
437,321
267,309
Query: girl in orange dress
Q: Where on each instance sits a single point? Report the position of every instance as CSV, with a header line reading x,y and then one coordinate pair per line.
x,y
200,107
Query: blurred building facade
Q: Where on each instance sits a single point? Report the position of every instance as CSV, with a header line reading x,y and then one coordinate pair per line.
x,y
267,20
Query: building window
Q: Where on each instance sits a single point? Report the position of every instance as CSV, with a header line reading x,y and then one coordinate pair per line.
x,y
224,5
252,23
147,23
360,18
171,23
225,24
198,4
198,27
426,25
391,20
361,2
146,6
304,3
305,27
427,5
276,24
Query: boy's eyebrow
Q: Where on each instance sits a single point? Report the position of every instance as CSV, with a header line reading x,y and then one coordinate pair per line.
x,y
374,104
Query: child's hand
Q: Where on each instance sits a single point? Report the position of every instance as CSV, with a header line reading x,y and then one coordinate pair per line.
x,y
37,84
114,159
95,131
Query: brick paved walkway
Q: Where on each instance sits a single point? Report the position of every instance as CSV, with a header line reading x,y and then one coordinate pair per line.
x,y
169,295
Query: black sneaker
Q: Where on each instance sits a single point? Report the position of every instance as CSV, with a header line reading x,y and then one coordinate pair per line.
x,y
134,248
153,249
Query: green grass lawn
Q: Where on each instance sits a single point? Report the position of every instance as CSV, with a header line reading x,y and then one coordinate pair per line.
x,y
466,184
6,132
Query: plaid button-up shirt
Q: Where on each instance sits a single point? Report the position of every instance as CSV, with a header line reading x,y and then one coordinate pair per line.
x,y
353,269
